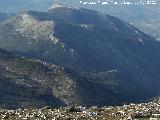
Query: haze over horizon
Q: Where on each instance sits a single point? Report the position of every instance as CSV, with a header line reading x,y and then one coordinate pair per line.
x,y
13,6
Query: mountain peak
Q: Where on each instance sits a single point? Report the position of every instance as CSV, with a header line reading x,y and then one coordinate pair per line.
x,y
56,5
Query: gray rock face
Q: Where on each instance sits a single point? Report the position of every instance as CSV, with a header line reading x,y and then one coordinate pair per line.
x,y
110,61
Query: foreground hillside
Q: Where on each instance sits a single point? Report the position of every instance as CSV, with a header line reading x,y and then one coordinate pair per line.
x,y
32,83
26,82
143,111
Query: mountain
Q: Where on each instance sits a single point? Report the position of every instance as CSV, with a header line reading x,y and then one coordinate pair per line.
x,y
133,10
110,61
144,15
137,14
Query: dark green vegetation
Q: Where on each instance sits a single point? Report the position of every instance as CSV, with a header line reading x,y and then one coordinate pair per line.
x,y
105,60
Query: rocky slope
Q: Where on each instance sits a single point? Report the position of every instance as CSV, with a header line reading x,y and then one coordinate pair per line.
x,y
143,111
26,82
111,61
33,83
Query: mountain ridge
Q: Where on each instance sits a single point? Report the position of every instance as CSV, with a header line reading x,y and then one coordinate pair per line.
x,y
111,61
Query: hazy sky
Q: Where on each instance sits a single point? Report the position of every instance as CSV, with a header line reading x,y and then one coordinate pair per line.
x,y
19,5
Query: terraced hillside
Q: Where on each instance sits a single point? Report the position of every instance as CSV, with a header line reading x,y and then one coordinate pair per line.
x,y
26,82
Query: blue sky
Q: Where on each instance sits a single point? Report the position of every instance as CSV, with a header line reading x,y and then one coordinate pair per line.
x,y
19,5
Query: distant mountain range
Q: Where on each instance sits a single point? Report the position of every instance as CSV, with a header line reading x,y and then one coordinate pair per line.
x,y
89,58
